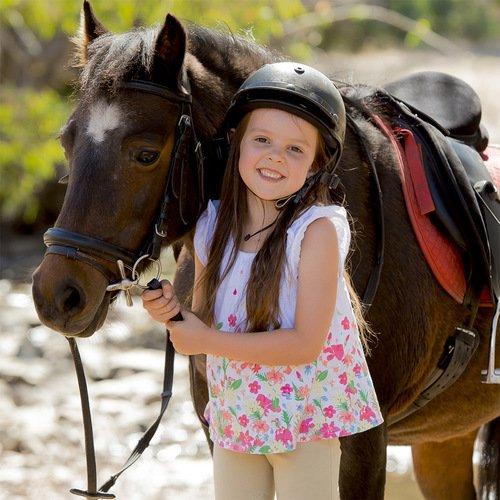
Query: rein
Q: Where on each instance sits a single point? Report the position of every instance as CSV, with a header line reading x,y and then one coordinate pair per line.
x,y
93,251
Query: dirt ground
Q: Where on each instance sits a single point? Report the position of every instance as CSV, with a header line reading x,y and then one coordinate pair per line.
x,y
41,436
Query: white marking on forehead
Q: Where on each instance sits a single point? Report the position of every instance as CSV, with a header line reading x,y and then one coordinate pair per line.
x,y
104,116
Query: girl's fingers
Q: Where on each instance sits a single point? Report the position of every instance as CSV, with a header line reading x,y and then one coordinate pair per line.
x,y
149,295
164,317
161,304
167,289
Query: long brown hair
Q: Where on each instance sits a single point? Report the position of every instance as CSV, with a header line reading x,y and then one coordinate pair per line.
x,y
263,287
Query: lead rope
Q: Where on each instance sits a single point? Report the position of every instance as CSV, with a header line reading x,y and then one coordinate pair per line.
x,y
92,491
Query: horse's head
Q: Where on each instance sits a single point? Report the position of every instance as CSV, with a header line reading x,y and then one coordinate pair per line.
x,y
119,142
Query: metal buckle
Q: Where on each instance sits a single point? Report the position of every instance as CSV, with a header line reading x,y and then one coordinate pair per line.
x,y
126,284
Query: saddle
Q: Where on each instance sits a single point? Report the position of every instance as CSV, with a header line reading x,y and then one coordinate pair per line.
x,y
445,101
436,119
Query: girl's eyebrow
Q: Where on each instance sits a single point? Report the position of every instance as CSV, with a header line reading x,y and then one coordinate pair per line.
x,y
290,139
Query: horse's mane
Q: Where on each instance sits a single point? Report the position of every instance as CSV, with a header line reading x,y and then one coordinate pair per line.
x,y
114,58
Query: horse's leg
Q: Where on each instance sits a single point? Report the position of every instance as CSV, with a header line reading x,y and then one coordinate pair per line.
x,y
183,280
444,469
489,466
362,464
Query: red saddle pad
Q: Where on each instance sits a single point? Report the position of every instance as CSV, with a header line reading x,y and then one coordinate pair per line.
x,y
441,254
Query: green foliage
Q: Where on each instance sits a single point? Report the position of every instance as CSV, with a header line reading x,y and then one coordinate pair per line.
x,y
29,151
45,17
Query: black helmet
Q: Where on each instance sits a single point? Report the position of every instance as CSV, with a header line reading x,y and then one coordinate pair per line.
x,y
300,90
296,88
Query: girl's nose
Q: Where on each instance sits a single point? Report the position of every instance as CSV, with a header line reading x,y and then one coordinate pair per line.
x,y
275,154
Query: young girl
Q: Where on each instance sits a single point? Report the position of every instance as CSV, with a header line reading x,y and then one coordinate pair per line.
x,y
285,365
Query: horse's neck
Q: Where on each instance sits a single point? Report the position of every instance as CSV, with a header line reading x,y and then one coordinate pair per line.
x,y
218,67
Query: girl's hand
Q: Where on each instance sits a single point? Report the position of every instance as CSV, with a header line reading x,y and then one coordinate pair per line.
x,y
161,304
189,336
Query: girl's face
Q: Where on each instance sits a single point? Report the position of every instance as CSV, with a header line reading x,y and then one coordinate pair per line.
x,y
276,153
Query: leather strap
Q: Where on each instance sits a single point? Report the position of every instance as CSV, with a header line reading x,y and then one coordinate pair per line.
x,y
168,376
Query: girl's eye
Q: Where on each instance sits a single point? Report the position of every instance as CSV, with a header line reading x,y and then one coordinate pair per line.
x,y
261,140
146,157
296,149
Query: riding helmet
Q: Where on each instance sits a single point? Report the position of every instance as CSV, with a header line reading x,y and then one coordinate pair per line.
x,y
303,91
298,89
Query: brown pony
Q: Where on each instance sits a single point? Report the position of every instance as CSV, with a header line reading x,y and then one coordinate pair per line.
x,y
119,142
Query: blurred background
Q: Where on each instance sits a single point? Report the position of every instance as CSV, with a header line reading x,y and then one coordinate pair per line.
x,y
41,454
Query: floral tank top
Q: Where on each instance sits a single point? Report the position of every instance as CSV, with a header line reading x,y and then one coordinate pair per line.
x,y
263,409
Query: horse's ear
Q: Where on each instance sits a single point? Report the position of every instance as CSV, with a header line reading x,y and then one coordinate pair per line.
x,y
170,49
90,29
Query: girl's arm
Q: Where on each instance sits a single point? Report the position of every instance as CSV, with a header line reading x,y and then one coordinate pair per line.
x,y
316,298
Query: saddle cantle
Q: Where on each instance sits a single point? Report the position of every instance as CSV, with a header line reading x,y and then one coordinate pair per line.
x,y
444,101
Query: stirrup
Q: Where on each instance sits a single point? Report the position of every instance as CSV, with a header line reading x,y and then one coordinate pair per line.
x,y
492,374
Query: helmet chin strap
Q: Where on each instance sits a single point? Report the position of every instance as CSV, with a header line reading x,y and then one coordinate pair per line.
x,y
324,176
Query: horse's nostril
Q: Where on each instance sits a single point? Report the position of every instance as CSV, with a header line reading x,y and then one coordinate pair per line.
x,y
70,300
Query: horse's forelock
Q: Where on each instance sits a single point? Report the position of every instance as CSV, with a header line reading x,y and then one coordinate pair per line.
x,y
112,58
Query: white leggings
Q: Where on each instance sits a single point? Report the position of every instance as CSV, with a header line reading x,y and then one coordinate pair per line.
x,y
311,471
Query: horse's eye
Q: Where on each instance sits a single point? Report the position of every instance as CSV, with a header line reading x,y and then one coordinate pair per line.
x,y
146,157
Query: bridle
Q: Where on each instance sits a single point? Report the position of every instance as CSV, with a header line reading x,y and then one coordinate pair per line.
x,y
186,154
91,250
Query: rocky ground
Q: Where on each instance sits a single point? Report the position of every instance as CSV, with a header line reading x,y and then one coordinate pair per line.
x,y
41,436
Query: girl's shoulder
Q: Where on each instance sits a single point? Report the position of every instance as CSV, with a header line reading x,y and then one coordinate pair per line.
x,y
337,216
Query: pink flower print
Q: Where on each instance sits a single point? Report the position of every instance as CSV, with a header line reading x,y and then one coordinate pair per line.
x,y
260,426
366,413
226,415
303,391
288,370
345,323
254,387
258,442
343,433
309,409
231,319
243,420
357,369
346,417
305,425
245,439
347,360
275,376
286,389
329,411
228,431
350,389
256,368
298,375
334,351
329,430
265,403
343,378
235,292
283,435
